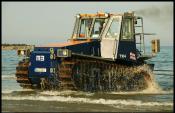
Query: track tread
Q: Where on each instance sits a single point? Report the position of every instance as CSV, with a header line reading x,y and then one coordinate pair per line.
x,y
22,74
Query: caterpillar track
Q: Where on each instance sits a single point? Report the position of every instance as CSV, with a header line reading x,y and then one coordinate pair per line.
x,y
90,75
22,74
99,75
85,74
65,75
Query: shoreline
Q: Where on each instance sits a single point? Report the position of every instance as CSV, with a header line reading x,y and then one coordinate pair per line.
x,y
14,47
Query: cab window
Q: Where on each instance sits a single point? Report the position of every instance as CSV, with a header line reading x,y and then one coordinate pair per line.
x,y
85,27
97,28
127,30
114,29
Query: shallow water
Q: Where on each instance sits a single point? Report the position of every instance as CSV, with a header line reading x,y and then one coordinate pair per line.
x,y
158,97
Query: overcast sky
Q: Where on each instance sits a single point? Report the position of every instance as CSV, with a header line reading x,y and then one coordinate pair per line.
x,y
50,22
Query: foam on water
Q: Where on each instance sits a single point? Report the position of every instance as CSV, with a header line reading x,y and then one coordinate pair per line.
x,y
66,92
70,99
149,90
153,87
8,91
8,77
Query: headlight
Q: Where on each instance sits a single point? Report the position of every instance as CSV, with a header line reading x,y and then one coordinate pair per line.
x,y
63,53
40,70
23,52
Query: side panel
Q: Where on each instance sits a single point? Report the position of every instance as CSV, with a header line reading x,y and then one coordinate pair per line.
x,y
109,48
41,66
127,51
39,60
89,48
110,38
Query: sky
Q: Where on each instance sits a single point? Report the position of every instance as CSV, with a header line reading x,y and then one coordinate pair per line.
x,y
49,22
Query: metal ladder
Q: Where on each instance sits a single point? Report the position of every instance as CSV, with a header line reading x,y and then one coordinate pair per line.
x,y
141,42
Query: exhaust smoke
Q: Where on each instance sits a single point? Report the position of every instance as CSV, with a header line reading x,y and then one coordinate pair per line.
x,y
160,13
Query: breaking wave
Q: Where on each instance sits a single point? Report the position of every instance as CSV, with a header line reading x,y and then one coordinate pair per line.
x,y
153,87
8,77
66,92
19,90
70,99
149,90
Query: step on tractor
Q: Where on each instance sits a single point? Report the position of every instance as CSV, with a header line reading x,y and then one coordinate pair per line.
x,y
106,52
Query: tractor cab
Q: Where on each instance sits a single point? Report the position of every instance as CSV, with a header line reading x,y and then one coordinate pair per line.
x,y
117,33
110,30
95,26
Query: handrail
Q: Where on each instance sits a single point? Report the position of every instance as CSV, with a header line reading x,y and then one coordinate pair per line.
x,y
145,33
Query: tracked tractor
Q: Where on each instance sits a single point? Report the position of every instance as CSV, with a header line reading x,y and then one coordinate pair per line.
x,y
104,53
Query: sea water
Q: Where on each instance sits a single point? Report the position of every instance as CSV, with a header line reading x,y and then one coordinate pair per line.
x,y
157,97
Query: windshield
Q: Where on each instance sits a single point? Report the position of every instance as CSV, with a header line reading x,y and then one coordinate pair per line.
x,y
97,28
88,27
85,28
114,29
